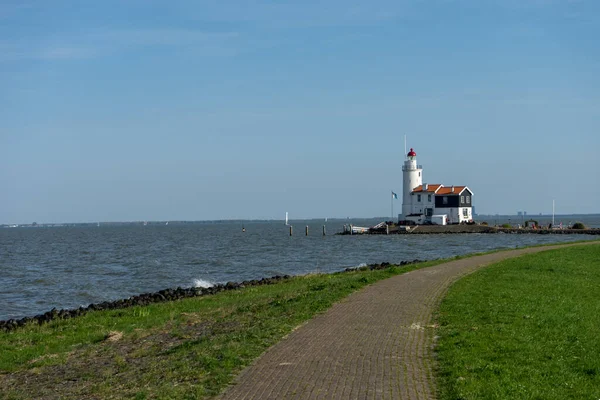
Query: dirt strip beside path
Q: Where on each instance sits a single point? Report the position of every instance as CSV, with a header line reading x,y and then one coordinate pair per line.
x,y
375,344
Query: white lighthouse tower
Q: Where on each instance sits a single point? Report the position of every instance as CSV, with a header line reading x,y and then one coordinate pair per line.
x,y
413,177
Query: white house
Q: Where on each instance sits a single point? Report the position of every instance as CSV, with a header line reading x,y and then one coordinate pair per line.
x,y
422,201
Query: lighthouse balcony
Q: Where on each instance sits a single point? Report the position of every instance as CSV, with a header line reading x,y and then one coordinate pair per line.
x,y
411,168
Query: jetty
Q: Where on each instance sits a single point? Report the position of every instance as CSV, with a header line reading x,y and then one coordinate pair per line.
x,y
394,229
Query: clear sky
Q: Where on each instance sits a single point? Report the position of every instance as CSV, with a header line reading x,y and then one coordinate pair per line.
x,y
120,110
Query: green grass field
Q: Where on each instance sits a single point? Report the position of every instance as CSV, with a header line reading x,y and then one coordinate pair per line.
x,y
183,349
525,328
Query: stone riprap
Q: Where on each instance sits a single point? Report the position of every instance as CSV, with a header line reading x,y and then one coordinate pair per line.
x,y
164,295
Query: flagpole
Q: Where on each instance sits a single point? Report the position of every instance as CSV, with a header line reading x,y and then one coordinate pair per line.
x,y
392,201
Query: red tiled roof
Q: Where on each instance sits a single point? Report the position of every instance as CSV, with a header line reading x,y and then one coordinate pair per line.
x,y
439,189
430,188
448,190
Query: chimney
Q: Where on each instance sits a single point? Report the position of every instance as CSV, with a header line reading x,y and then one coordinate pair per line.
x,y
452,189
425,187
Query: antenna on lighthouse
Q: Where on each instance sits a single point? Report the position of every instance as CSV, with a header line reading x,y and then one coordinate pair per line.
x,y
405,146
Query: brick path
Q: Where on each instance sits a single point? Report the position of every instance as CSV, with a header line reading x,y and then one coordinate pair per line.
x,y
375,344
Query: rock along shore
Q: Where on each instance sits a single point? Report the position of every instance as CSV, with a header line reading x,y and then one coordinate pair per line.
x,y
445,229
164,295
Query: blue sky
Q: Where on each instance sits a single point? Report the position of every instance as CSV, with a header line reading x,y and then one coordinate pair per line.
x,y
121,110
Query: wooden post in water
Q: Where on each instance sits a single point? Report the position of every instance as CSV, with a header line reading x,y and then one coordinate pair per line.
x,y
324,232
387,229
306,230
290,230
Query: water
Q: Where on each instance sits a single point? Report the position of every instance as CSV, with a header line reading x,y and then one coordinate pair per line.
x,y
66,267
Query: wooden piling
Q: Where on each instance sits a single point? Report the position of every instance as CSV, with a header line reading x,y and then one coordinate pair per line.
x,y
306,230
291,230
324,232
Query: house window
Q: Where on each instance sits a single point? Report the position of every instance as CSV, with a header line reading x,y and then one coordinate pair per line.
x,y
468,199
429,198
465,212
419,198
445,200
419,174
462,199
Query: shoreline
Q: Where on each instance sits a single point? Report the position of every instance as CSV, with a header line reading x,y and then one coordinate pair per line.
x,y
166,295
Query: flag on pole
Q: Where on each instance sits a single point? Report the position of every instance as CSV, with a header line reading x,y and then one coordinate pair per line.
x,y
394,196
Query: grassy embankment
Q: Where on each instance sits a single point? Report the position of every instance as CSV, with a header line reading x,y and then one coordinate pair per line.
x,y
190,348
525,328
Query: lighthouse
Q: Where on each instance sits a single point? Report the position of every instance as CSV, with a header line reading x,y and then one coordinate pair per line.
x,y
412,178
432,203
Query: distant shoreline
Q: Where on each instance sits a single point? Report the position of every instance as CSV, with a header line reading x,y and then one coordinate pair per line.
x,y
330,220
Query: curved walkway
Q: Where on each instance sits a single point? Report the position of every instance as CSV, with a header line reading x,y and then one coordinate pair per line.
x,y
375,344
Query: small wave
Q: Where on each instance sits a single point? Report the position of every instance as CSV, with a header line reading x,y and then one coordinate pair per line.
x,y
202,283
361,265
273,272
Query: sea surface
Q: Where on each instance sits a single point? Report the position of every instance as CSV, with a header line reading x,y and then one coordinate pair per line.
x,y
70,266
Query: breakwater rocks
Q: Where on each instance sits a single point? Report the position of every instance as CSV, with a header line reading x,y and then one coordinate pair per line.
x,y
383,265
432,230
449,229
161,296
591,231
143,299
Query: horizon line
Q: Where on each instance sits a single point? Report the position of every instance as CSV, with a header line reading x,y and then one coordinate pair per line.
x,y
266,219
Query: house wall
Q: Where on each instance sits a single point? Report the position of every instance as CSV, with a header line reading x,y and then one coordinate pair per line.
x,y
466,206
455,214
451,212
466,198
453,201
419,207
469,215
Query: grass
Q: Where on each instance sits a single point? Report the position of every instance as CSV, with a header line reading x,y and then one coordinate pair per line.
x,y
525,328
499,250
183,349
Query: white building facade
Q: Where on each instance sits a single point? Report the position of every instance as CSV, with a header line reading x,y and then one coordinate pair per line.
x,y
428,203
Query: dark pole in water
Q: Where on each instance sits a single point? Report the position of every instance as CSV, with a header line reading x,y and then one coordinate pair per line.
x,y
290,230
306,230
324,232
